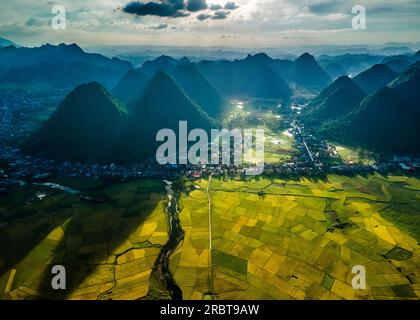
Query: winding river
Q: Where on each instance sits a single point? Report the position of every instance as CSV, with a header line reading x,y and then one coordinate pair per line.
x,y
176,235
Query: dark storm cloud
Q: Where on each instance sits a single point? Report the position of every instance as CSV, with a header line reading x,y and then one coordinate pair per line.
x,y
163,8
179,8
196,5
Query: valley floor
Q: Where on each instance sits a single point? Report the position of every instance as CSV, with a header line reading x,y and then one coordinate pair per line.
x,y
270,239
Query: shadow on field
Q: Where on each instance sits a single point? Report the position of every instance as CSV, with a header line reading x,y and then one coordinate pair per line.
x,y
119,218
96,228
28,223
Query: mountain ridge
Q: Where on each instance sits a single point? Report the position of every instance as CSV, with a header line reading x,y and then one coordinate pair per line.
x,y
26,65
375,78
337,100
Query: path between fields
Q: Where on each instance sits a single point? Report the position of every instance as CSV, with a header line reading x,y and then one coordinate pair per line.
x,y
209,201
211,288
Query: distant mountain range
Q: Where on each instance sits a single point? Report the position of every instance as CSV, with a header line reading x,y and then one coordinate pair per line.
x,y
385,121
351,64
256,76
59,66
400,63
264,77
249,77
378,108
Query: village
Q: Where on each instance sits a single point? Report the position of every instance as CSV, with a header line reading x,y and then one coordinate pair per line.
x,y
313,157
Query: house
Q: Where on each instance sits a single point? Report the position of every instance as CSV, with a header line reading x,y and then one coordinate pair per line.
x,y
404,166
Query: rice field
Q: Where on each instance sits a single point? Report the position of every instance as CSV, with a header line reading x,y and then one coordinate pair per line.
x,y
300,239
108,249
270,239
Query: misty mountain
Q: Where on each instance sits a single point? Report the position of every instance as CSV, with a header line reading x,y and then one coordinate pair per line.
x,y
401,63
131,86
36,62
308,73
60,75
85,127
250,77
162,63
199,89
375,78
257,75
283,68
388,51
333,69
352,63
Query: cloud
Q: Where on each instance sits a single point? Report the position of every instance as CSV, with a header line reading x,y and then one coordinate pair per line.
x,y
164,8
179,8
181,14
203,16
106,21
215,7
325,7
228,36
220,15
230,5
35,22
196,5
159,26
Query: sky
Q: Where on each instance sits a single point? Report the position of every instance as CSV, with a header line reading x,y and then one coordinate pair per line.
x,y
233,23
